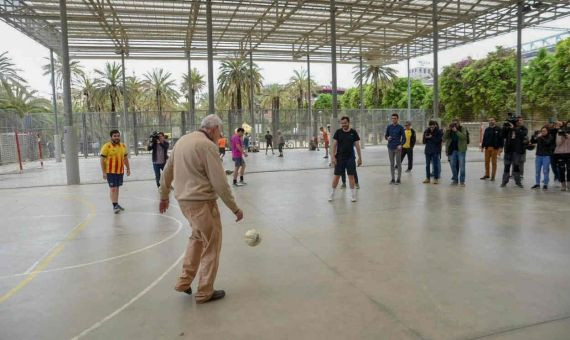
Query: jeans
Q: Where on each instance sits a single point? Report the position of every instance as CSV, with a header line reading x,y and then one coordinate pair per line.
x,y
542,163
435,160
458,166
157,169
410,153
395,160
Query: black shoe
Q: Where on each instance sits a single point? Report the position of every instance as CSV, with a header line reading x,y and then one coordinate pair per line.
x,y
520,185
492,179
454,183
120,208
409,170
392,181
536,186
503,185
218,294
398,182
242,183
545,187
188,291
484,177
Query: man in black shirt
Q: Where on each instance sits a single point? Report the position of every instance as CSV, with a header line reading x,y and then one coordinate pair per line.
x,y
269,142
492,144
515,142
343,158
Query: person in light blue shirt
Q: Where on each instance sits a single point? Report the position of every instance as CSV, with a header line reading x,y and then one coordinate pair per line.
x,y
396,137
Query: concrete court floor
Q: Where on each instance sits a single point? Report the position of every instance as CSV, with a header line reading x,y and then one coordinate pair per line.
x,y
408,262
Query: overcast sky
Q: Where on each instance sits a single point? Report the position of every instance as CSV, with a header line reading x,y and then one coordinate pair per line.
x,y
29,57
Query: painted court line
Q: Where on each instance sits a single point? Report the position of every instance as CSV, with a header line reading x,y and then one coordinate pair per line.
x,y
126,305
81,265
47,260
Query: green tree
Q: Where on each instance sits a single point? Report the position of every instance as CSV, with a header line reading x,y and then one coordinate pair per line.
x,y
108,86
396,95
234,82
453,90
160,90
192,85
8,71
538,87
18,99
560,79
379,76
75,68
272,98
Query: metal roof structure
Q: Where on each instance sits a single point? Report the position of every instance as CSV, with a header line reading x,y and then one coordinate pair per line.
x,y
276,30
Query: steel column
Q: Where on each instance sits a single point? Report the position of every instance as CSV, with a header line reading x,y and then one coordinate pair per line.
x,y
251,97
312,124
435,61
409,85
334,117
56,140
125,103
361,90
190,99
520,19
211,100
69,133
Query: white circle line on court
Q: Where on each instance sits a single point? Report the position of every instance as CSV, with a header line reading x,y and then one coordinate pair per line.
x,y
130,302
81,265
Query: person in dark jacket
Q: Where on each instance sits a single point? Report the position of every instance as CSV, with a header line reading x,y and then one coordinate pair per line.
x,y
432,139
159,147
515,144
408,147
396,137
492,144
544,149
553,128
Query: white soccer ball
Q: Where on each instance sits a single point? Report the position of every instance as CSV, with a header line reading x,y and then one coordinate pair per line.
x,y
252,237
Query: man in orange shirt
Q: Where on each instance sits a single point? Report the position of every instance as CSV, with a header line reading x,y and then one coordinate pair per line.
x,y
114,159
222,146
325,137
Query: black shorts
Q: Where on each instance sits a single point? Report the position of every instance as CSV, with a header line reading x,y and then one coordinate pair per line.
x,y
115,180
222,151
348,165
239,162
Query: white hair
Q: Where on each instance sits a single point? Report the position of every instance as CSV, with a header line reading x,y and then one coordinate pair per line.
x,y
210,122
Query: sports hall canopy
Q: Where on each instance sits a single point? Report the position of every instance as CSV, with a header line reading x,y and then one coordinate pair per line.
x,y
276,30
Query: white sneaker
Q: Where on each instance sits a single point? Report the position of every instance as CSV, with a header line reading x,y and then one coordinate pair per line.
x,y
353,196
331,196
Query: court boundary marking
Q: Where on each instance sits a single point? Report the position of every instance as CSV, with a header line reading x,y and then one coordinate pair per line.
x,y
81,265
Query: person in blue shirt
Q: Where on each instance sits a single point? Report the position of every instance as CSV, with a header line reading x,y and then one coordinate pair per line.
x,y
396,137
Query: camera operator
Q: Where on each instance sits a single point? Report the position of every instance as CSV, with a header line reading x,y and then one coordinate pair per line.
x,y
516,140
456,140
159,147
544,149
562,153
553,128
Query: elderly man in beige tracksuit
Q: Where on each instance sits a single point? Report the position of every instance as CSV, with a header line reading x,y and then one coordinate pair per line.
x,y
200,178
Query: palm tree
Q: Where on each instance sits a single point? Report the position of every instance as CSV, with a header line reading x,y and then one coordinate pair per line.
x,y
108,85
135,93
380,76
234,82
8,71
159,88
272,97
75,69
18,99
191,86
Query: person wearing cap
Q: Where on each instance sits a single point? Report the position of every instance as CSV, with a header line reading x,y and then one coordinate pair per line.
x,y
408,147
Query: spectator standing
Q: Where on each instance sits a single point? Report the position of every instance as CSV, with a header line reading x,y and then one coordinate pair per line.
x,y
396,137
492,145
432,138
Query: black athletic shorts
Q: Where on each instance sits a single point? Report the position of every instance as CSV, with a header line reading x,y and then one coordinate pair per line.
x,y
115,180
348,165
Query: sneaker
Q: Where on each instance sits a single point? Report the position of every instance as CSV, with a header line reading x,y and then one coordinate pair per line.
x,y
326,157
426,181
563,186
218,294
454,183
436,181
536,186
462,184
242,183
236,184
503,185
520,185
188,291
409,170
545,187
484,177
353,197
398,182
357,186
343,186
331,196
392,181
120,208
116,210
492,179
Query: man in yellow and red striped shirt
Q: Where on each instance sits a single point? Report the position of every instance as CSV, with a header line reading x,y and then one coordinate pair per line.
x,y
114,159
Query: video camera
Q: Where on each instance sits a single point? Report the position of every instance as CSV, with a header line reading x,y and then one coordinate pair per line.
x,y
511,119
154,136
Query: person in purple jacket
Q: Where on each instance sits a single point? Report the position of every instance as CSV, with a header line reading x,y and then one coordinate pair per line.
x,y
396,137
